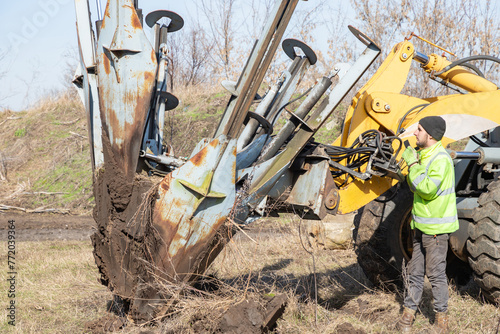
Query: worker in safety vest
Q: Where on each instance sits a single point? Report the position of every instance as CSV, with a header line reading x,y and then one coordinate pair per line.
x,y
431,178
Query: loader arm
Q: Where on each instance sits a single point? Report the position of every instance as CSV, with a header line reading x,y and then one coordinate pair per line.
x,y
379,105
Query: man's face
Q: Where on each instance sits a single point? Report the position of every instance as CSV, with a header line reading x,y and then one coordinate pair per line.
x,y
422,137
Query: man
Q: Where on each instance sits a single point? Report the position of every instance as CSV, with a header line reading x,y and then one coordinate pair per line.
x,y
431,178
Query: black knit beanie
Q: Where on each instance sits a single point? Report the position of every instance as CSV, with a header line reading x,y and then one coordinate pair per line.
x,y
434,125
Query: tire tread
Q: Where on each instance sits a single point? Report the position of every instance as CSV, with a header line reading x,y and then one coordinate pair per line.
x,y
484,242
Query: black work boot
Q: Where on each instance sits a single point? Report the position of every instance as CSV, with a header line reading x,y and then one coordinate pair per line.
x,y
441,323
406,320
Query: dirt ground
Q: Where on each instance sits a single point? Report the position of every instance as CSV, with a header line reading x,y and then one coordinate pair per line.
x,y
265,260
44,227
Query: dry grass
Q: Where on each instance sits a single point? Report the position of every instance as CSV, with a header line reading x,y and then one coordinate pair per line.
x,y
197,116
279,263
58,290
274,259
46,156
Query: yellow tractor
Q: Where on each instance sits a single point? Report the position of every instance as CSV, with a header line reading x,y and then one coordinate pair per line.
x,y
383,236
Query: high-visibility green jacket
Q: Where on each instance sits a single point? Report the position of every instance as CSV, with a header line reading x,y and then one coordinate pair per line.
x,y
432,181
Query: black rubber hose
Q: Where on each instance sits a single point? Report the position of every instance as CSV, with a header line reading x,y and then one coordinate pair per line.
x,y
407,113
465,60
478,141
290,102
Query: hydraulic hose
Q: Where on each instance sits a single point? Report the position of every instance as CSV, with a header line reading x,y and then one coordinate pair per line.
x,y
407,113
465,60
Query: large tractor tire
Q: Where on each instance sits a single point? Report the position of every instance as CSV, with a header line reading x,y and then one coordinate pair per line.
x,y
384,240
484,243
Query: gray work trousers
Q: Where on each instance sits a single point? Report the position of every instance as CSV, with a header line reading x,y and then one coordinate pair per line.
x,y
428,258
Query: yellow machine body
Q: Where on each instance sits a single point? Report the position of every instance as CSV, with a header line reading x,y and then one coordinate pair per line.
x,y
380,105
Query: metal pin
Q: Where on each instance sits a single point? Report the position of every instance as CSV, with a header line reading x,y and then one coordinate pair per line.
x,y
99,13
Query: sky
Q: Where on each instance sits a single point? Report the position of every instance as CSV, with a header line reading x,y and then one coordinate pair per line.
x,y
38,45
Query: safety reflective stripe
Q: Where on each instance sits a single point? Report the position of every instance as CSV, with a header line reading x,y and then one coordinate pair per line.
x,y
441,192
444,220
437,182
428,214
418,179
445,192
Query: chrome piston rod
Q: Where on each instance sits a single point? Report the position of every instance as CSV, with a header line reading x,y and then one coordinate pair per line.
x,y
163,159
483,155
301,112
465,155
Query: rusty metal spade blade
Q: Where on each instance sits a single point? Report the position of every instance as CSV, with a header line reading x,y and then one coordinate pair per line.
x,y
193,203
126,67
181,235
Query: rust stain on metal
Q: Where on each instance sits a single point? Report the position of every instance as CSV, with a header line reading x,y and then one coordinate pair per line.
x,y
106,14
179,256
214,143
202,252
166,181
199,157
164,186
233,169
221,221
135,22
331,199
129,97
216,244
105,62
153,56
134,131
194,258
162,259
112,122
124,104
127,150
177,238
148,76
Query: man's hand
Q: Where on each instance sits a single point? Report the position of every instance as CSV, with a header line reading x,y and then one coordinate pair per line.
x,y
410,156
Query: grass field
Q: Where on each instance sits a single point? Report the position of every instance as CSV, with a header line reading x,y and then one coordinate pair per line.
x,y
57,290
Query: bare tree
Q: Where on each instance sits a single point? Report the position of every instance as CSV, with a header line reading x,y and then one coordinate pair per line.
x,y
175,58
339,48
188,57
71,58
259,12
196,58
221,32
464,27
3,76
